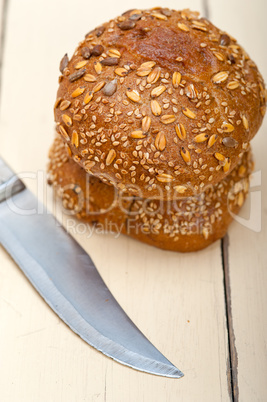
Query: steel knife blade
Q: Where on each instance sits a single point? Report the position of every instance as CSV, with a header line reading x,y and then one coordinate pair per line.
x,y
66,277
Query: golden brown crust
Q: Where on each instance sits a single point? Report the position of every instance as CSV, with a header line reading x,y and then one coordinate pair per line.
x,y
168,128
188,224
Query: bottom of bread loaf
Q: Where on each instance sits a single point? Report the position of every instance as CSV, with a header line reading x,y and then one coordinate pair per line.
x,y
186,224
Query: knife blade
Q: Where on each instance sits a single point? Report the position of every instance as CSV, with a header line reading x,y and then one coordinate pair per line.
x,y
66,277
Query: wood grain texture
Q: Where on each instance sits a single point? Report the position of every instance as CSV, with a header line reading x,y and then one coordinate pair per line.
x,y
247,247
176,300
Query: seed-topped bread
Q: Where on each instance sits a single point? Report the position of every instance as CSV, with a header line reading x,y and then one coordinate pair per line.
x,y
188,224
159,103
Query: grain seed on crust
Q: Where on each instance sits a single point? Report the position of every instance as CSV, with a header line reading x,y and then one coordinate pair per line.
x,y
155,108
180,189
180,131
160,141
186,155
176,79
77,92
167,118
88,97
146,122
220,77
133,96
188,113
89,78
137,134
154,75
75,138
164,178
64,105
158,91
110,157
67,120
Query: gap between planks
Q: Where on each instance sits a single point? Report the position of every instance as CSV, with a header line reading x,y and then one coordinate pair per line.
x,y
233,359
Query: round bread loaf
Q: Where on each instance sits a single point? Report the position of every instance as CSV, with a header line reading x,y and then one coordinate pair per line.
x,y
159,103
187,224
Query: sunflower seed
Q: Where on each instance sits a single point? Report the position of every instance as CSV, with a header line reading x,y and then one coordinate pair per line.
x,y
158,91
155,108
86,53
180,131
110,61
225,40
63,63
135,17
229,142
99,31
164,178
166,11
110,88
126,25
97,50
110,157
220,77
78,74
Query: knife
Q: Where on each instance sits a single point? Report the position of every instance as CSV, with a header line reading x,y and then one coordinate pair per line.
x,y
66,277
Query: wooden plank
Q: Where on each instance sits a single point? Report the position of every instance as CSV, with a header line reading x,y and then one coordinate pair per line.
x,y
177,300
247,248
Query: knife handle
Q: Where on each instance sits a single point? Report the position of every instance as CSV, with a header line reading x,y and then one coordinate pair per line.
x,y
10,184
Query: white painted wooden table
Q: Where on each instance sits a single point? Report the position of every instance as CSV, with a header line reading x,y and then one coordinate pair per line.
x,y
208,318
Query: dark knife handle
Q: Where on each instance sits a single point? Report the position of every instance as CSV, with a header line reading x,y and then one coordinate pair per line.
x,y
10,184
